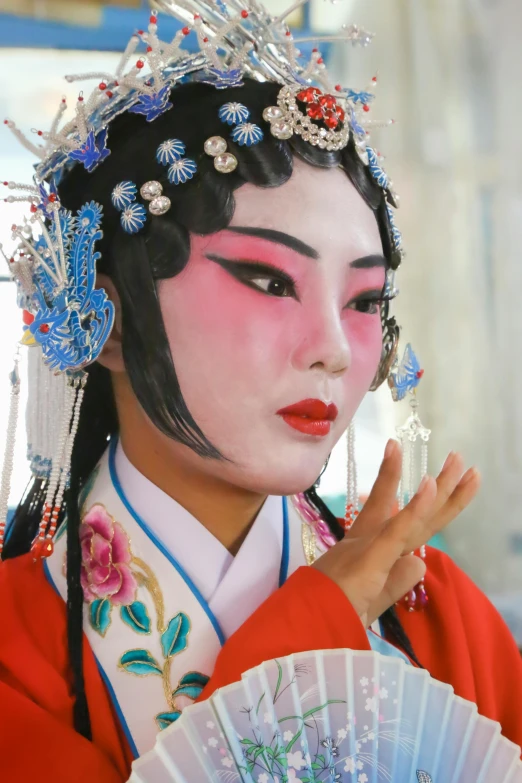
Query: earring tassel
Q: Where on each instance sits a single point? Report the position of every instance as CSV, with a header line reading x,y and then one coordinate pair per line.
x,y
7,470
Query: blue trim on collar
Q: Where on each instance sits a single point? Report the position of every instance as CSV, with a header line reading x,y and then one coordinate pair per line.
x,y
103,675
188,581
285,556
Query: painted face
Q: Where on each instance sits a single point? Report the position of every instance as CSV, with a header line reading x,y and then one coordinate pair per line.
x,y
275,330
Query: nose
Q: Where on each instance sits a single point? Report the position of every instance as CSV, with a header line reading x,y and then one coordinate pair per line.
x,y
323,344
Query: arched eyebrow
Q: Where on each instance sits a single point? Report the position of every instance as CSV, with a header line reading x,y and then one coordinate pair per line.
x,y
288,240
279,238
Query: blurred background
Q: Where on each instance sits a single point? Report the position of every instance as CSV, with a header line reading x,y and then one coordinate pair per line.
x,y
448,74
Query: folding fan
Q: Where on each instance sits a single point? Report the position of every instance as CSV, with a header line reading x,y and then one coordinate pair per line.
x,y
337,715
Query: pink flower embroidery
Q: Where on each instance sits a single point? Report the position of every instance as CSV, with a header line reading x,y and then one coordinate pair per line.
x,y
106,557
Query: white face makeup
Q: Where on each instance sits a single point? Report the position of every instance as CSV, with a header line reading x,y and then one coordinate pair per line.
x,y
279,309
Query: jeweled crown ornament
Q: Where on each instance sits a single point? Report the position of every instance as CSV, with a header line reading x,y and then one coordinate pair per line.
x,y
413,436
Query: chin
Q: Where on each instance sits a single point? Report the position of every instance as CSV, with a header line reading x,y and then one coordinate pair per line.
x,y
280,479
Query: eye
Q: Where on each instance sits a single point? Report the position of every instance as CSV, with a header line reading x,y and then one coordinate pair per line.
x,y
369,304
272,286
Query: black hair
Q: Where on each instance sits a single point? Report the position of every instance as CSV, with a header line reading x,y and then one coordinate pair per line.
x,y
161,250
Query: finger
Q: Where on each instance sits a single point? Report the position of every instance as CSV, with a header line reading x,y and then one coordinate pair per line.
x,y
383,496
465,491
405,573
448,479
393,539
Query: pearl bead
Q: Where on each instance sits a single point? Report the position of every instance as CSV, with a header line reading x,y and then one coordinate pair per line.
x,y
159,205
282,130
150,190
216,145
225,163
272,113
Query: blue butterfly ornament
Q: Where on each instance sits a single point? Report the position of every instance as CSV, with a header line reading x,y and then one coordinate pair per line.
x,y
406,376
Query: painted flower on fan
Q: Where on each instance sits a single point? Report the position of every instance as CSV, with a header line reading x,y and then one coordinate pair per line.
x,y
296,759
322,107
247,134
182,170
106,558
152,106
170,151
93,150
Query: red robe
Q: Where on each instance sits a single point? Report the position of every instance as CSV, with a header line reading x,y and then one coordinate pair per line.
x,y
460,639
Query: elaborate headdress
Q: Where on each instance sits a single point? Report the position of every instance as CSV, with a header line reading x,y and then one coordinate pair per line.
x,y
67,320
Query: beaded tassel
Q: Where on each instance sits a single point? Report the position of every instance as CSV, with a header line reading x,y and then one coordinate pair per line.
x,y
352,494
7,470
413,437
43,543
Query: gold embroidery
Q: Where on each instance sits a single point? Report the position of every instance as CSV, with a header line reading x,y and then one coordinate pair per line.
x,y
149,581
308,539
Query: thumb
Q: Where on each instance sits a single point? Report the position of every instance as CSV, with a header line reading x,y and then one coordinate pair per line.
x,y
403,576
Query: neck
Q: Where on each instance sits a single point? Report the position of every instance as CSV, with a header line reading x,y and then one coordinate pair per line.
x,y
226,510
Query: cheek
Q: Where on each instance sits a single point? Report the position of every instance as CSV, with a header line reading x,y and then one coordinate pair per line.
x,y
216,323
364,334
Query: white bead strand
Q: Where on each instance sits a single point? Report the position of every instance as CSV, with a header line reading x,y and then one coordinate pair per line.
x,y
7,470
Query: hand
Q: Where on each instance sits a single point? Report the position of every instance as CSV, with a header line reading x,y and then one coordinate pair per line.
x,y
373,564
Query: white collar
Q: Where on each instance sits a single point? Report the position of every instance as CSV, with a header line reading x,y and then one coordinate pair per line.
x,y
233,586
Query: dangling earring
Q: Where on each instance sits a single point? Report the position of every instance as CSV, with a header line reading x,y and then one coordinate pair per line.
x,y
413,436
352,494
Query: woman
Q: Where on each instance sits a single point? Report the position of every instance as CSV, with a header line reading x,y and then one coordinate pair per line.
x,y
248,327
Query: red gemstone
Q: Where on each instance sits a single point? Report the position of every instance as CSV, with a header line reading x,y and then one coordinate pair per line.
x,y
410,600
53,197
186,30
288,34
244,14
331,120
197,16
328,101
6,183
205,40
116,84
34,208
102,86
338,88
366,107
320,61
140,64
315,50
39,133
27,318
315,111
153,19
420,374
308,95
140,32
109,94
44,328
340,113
149,48
6,122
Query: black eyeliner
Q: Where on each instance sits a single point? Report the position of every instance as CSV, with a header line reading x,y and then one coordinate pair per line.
x,y
242,270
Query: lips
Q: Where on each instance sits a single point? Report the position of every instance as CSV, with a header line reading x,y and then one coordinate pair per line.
x,y
312,417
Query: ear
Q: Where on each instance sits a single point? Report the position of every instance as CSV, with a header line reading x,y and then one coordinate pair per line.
x,y
111,356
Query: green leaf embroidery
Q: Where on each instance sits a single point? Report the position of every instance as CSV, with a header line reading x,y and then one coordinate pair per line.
x,y
191,685
136,617
140,662
166,719
100,615
174,639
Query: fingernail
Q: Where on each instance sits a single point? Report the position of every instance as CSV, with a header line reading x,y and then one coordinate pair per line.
x,y
422,485
449,460
390,448
468,476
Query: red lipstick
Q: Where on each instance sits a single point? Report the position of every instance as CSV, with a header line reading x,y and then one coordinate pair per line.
x,y
312,417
